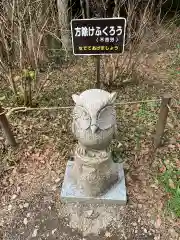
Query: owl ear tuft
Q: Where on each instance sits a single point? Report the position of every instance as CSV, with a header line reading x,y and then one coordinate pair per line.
x,y
76,98
112,97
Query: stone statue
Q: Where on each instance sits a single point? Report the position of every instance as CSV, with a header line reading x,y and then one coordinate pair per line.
x,y
94,126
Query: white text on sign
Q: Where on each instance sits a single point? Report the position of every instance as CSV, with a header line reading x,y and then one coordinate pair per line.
x,y
98,31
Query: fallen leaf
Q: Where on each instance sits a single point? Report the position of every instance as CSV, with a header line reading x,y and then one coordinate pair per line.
x,y
162,169
167,162
14,196
154,186
35,232
25,221
171,184
2,98
171,146
158,222
89,212
173,233
26,205
10,207
160,205
170,125
119,145
108,234
178,145
57,180
54,230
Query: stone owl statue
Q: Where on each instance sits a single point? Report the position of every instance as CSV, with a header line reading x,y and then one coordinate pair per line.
x,y
94,119
94,126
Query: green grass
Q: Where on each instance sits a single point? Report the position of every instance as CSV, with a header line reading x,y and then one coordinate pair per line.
x,y
147,111
170,179
174,67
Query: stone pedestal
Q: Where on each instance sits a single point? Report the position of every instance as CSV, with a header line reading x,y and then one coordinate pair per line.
x,y
115,194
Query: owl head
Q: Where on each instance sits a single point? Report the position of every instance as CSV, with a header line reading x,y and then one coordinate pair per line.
x,y
94,110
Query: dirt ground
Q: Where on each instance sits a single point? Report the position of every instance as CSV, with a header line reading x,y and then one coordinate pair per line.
x,y
47,218
31,176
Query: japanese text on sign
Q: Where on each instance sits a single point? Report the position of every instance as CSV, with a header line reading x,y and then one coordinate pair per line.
x,y
94,48
98,31
98,36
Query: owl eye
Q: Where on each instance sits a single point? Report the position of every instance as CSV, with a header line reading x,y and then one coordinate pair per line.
x,y
107,117
81,117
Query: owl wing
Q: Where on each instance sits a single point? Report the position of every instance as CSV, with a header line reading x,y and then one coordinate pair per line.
x,y
107,118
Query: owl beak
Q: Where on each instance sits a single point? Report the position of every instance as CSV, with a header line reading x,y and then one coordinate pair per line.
x,y
94,128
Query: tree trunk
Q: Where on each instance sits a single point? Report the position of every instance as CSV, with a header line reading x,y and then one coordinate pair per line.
x,y
97,9
64,24
6,128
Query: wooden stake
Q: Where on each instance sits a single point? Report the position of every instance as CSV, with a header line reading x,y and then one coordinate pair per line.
x,y
6,128
161,124
98,71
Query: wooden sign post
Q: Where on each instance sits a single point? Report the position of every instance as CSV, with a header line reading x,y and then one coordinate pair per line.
x,y
98,36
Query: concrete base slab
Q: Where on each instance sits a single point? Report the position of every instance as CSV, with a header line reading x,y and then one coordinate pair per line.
x,y
115,195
